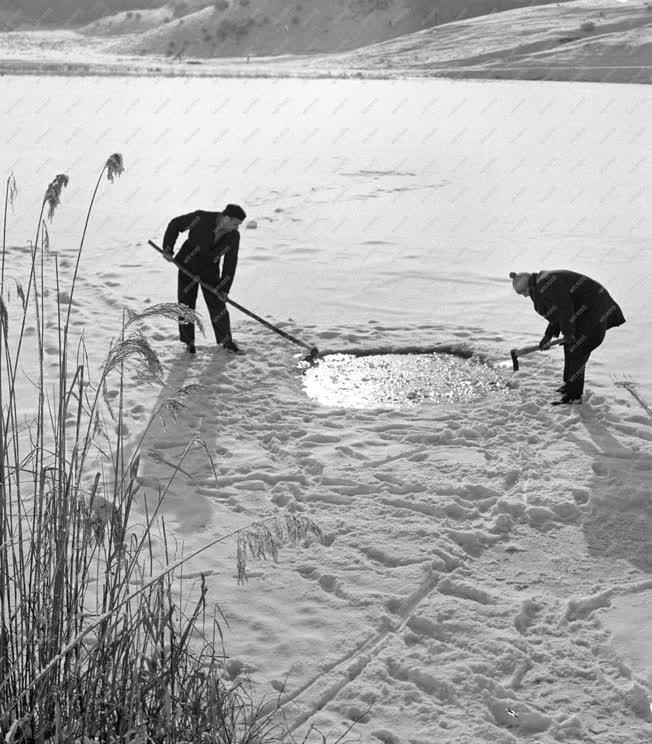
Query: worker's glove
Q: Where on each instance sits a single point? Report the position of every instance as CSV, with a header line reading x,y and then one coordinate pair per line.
x,y
544,344
569,340
168,255
224,296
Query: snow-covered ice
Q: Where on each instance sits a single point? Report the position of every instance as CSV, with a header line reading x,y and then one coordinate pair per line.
x,y
480,558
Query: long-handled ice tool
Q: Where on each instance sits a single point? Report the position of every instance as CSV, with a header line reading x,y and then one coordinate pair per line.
x,y
314,351
516,353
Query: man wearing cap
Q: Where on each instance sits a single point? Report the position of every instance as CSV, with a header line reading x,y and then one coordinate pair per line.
x,y
212,236
580,309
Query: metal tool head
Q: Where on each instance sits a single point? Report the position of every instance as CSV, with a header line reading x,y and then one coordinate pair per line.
x,y
312,357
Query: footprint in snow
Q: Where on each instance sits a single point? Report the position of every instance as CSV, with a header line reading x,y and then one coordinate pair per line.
x,y
307,572
386,737
393,605
328,582
234,667
511,477
285,500
530,608
354,713
581,496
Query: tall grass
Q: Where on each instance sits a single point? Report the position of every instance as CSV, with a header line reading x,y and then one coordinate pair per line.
x,y
96,637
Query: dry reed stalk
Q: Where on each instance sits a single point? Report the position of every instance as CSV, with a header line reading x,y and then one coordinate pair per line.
x,y
84,654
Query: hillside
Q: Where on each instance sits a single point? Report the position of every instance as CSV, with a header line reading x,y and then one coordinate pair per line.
x,y
590,40
602,38
234,28
138,20
224,28
63,13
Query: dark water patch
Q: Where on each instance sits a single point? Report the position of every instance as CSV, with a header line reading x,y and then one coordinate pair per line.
x,y
400,378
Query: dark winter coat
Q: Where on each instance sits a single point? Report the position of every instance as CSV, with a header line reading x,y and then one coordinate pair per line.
x,y
572,303
204,247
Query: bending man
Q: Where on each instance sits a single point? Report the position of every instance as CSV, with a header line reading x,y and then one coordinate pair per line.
x,y
213,236
580,309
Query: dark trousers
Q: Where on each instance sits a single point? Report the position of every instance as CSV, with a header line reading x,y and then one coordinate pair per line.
x,y
187,295
576,356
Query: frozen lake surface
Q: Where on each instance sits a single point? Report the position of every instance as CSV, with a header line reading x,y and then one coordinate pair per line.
x,y
403,202
470,550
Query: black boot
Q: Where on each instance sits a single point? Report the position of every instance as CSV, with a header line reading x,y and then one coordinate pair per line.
x,y
191,348
230,345
566,400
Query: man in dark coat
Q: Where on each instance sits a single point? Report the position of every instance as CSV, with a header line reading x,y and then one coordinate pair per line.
x,y
213,236
580,309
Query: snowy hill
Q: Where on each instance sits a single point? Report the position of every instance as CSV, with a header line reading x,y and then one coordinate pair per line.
x,y
141,19
270,27
586,33
590,40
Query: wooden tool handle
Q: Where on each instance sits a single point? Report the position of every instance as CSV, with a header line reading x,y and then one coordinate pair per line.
x,y
530,349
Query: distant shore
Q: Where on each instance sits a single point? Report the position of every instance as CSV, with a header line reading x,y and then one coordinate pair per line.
x,y
631,74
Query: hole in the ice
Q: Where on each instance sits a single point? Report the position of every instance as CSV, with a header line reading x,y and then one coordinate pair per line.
x,y
400,378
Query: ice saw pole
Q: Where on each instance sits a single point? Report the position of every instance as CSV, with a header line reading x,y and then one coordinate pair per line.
x,y
314,351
